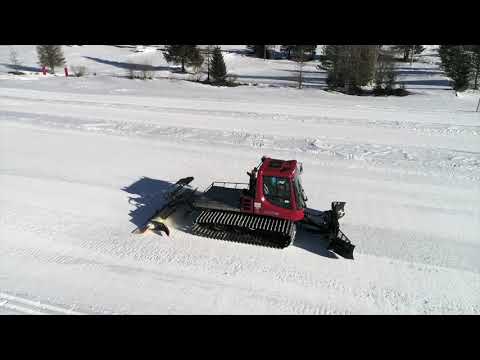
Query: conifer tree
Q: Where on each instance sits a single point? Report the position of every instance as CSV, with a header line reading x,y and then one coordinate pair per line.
x,y
409,50
51,56
385,76
14,59
186,55
218,70
349,66
208,59
475,55
457,64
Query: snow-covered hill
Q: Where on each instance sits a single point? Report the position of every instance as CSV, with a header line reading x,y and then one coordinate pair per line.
x,y
75,153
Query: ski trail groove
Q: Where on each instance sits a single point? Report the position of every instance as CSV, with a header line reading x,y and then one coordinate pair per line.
x,y
30,307
442,161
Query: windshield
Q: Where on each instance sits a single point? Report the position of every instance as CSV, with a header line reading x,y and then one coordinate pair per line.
x,y
277,191
299,194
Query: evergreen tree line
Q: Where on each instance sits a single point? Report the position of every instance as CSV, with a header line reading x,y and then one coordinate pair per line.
x,y
291,51
191,55
349,67
461,63
52,56
409,51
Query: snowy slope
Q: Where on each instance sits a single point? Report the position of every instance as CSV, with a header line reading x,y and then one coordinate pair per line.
x,y
77,155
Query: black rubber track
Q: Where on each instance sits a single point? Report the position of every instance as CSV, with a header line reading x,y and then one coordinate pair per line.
x,y
245,228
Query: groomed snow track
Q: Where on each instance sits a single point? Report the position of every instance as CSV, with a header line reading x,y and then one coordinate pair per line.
x,y
20,305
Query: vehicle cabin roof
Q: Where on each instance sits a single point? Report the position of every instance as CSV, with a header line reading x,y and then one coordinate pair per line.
x,y
280,168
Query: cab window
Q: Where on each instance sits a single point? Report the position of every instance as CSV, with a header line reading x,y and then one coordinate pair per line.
x,y
277,191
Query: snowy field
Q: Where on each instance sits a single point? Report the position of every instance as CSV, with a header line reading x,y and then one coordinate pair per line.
x,y
79,155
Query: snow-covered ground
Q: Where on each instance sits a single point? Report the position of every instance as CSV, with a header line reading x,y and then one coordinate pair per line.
x,y
77,156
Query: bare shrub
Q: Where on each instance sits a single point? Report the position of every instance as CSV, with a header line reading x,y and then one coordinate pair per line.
x,y
14,60
231,79
146,69
142,69
79,70
130,68
197,70
300,56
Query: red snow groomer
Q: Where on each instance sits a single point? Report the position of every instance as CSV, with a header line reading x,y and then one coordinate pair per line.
x,y
266,211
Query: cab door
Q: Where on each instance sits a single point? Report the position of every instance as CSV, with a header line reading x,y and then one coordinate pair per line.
x,y
275,197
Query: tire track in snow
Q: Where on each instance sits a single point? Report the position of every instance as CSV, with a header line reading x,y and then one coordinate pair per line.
x,y
447,162
27,306
367,296
427,128
246,299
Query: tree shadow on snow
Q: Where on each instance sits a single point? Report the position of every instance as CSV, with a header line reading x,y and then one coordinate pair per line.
x,y
147,195
237,51
125,46
323,73
403,71
128,65
23,68
440,84
308,81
